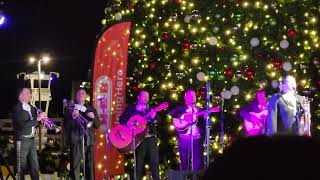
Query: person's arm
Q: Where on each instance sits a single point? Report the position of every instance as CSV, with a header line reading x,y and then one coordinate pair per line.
x,y
245,111
92,116
271,123
69,122
175,113
22,120
96,120
125,116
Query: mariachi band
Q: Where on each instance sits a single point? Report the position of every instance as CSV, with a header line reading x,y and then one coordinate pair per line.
x,y
285,113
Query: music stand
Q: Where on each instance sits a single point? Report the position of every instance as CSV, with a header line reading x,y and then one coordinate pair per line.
x,y
4,162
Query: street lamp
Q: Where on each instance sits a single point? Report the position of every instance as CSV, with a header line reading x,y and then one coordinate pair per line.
x,y
44,59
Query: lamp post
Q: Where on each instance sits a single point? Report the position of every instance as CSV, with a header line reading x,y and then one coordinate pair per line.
x,y
44,59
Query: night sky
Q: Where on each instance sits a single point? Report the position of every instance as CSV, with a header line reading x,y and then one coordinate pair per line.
x,y
66,29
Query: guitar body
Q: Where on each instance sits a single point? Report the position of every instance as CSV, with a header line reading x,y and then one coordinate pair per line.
x,y
256,124
182,124
121,136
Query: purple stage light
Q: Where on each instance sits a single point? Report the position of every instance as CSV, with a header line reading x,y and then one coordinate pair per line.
x,y
2,19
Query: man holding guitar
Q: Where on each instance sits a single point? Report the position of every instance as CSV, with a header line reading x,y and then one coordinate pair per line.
x,y
190,131
255,114
148,145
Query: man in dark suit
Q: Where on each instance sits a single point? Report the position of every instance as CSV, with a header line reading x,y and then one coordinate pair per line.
x,y
284,110
25,119
77,130
148,145
193,135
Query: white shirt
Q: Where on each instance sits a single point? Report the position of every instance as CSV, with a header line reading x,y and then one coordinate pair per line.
x,y
141,108
27,107
80,107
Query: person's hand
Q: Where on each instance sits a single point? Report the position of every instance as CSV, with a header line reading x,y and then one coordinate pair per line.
x,y
90,115
152,114
42,116
75,114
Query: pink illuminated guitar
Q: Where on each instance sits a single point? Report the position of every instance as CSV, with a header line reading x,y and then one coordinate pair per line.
x,y
188,119
255,125
120,136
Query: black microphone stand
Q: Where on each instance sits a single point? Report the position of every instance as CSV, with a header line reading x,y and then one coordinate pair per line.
x,y
134,150
298,113
83,134
222,124
208,126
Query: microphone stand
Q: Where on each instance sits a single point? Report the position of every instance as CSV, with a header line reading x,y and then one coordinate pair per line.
x,y
298,113
222,124
103,107
83,133
208,126
83,156
134,151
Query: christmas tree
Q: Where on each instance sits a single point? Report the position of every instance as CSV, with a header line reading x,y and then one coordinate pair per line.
x,y
238,46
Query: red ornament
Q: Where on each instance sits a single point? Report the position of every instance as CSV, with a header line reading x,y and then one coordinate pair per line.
x,y
292,33
165,36
178,1
229,72
130,5
249,73
202,93
295,55
186,45
152,65
135,88
276,63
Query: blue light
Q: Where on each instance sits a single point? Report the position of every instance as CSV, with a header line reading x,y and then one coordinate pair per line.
x,y
2,19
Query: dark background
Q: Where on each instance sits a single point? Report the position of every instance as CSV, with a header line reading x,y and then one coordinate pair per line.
x,y
65,29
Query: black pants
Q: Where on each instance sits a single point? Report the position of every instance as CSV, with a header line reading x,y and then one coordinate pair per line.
x,y
75,161
148,147
26,150
184,146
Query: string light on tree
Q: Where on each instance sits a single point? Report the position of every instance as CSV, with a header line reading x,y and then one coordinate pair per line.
x,y
179,44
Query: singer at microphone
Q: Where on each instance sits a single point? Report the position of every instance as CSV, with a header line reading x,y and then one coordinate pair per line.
x,y
81,120
283,108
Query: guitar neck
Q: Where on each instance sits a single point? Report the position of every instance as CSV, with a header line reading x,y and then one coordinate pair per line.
x,y
147,115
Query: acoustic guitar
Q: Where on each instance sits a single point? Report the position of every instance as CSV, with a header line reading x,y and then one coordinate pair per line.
x,y
256,124
121,136
187,119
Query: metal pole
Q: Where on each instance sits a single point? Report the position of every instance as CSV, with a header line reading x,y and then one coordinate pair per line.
x,y
222,124
103,105
208,126
134,153
39,93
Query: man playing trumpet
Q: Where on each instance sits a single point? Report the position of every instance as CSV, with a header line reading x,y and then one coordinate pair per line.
x,y
81,120
25,119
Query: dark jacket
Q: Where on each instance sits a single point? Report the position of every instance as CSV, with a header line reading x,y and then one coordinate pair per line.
x,y
22,122
180,110
281,118
131,111
73,128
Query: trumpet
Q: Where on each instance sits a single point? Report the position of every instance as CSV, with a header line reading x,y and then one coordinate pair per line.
x,y
49,123
84,122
